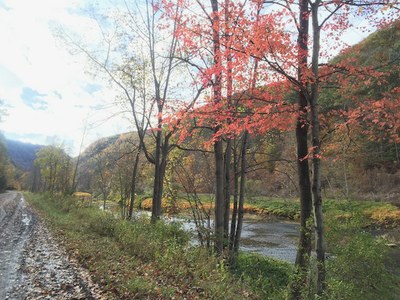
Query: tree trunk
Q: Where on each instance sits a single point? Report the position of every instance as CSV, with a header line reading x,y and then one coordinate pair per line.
x,y
219,197
304,247
218,146
158,178
36,179
74,177
316,161
235,200
243,168
227,190
229,90
133,184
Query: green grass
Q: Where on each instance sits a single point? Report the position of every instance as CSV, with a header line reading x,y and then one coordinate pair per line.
x,y
140,260
359,267
267,276
370,213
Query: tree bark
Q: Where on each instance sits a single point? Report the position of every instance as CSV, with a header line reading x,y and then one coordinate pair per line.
x,y
229,90
227,189
243,169
235,200
316,153
158,181
304,247
218,144
133,184
219,197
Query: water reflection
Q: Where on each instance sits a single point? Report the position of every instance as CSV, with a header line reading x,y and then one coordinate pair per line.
x,y
276,239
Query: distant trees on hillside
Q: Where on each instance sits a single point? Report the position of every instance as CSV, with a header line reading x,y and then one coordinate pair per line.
x,y
52,171
7,170
3,165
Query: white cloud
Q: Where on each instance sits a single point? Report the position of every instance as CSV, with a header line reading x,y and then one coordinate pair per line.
x,y
31,57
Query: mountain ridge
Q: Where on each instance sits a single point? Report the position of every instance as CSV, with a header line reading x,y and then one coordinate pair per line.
x,y
22,155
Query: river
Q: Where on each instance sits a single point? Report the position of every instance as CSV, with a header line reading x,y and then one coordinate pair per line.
x,y
269,237
276,239
273,238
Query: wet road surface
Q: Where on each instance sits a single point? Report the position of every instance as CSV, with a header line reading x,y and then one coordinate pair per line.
x,y
33,265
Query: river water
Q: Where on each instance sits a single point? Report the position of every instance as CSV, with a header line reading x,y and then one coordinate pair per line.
x,y
276,239
273,238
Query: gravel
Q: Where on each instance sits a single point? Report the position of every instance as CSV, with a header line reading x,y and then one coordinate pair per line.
x,y
34,264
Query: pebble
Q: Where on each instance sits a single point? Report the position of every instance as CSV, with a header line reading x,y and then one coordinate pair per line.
x,y
48,273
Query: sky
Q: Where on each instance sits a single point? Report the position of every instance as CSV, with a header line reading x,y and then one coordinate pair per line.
x,y
48,92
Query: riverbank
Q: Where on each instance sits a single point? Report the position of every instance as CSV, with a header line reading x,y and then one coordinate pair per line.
x,y
373,213
139,260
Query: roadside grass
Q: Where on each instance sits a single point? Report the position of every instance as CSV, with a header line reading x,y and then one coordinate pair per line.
x,y
140,260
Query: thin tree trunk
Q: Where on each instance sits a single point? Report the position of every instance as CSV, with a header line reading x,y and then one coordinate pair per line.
x,y
158,179
235,200
229,90
163,167
304,247
218,146
219,197
227,189
316,160
243,168
133,184
36,179
74,177
66,186
122,194
346,184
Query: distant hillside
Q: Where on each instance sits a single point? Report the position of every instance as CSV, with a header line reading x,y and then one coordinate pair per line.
x,y
99,146
107,150
22,155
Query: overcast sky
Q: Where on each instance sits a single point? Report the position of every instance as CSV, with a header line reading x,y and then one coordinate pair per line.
x,y
48,94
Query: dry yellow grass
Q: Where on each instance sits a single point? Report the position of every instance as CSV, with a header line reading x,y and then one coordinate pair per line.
x,y
385,215
182,205
82,195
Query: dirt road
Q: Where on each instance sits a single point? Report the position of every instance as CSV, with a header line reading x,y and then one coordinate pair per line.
x,y
32,264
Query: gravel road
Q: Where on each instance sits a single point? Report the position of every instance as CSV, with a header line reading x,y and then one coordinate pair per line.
x,y
33,265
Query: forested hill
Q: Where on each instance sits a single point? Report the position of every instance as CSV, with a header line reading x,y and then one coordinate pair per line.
x,y
109,145
102,155
22,155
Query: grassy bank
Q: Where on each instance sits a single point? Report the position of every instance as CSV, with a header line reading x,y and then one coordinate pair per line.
x,y
372,213
139,260
360,265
